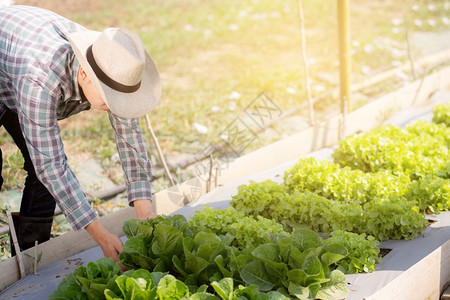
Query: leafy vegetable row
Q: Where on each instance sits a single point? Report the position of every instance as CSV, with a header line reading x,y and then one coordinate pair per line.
x,y
431,193
102,280
246,232
330,180
288,264
383,218
441,114
380,184
363,251
199,259
420,150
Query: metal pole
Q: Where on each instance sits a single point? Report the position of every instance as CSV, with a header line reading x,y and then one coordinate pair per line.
x,y
344,53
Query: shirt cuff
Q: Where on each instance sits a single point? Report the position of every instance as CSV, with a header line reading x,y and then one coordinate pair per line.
x,y
82,216
138,190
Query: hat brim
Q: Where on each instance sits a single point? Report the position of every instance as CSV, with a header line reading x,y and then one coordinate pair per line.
x,y
124,105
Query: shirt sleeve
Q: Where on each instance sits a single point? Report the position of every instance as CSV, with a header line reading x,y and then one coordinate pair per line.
x,y
37,116
133,155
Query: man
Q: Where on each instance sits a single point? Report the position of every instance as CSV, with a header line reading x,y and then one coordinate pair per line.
x,y
52,68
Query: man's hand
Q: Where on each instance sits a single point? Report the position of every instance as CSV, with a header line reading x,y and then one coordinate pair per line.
x,y
144,209
110,243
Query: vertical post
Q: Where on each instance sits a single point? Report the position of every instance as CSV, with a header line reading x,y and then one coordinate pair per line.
x,y
15,244
344,54
410,56
208,184
158,149
305,64
35,257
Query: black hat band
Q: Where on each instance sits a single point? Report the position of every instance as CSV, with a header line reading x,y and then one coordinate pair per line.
x,y
106,79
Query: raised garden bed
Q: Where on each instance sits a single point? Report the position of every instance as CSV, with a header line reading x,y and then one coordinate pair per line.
x,y
434,238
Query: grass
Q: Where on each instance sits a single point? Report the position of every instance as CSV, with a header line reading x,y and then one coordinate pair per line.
x,y
209,50
12,170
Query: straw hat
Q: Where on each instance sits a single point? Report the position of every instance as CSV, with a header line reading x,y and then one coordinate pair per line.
x,y
119,67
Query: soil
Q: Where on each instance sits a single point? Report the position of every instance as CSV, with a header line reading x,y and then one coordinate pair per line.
x,y
384,251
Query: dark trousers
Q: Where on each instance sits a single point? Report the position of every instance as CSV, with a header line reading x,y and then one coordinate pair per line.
x,y
36,200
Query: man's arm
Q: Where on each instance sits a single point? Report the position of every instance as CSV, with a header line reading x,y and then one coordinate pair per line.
x,y
37,115
135,163
110,243
144,209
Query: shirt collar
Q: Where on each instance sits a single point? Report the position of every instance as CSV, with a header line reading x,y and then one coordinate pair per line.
x,y
73,100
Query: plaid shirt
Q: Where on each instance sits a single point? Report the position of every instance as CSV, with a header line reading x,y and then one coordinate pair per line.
x,y
38,81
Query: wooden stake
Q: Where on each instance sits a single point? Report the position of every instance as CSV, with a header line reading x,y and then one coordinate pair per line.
x,y
16,244
35,257
208,185
216,177
410,56
158,149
